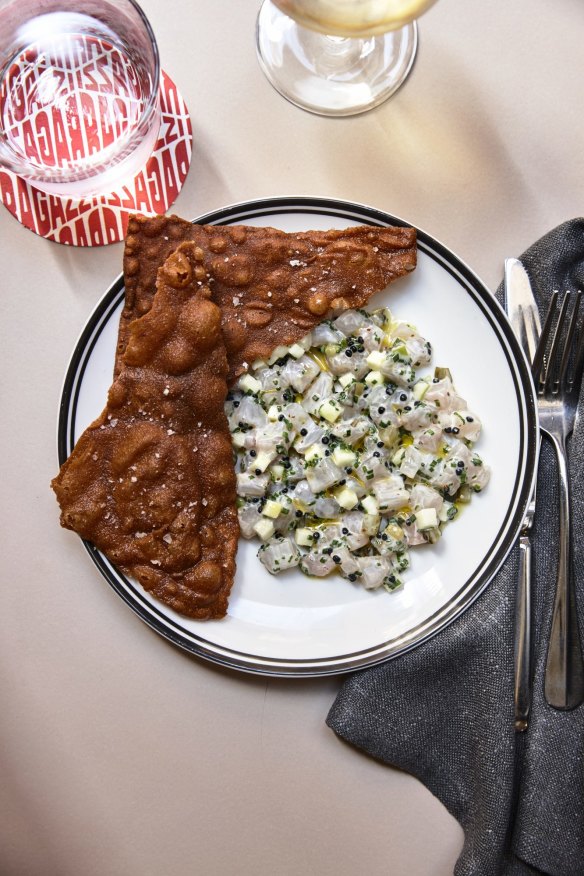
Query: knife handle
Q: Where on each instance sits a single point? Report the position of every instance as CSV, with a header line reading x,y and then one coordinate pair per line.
x,y
523,636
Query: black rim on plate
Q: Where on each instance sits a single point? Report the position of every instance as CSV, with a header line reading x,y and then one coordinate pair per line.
x,y
172,630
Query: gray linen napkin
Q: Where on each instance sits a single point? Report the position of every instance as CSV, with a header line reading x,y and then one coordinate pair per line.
x,y
444,712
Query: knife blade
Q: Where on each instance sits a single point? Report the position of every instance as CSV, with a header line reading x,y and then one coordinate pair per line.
x,y
523,314
521,307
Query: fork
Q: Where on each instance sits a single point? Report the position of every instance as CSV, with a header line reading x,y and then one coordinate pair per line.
x,y
557,377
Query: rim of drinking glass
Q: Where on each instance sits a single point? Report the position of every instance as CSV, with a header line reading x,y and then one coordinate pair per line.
x,y
57,175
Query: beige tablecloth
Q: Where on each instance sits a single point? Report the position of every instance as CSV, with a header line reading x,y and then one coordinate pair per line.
x,y
119,754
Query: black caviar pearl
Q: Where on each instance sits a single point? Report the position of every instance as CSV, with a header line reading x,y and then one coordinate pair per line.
x,y
235,404
325,439
448,430
352,577
469,420
343,482
384,536
436,380
281,417
376,453
304,432
344,530
299,513
380,444
315,536
348,352
455,430
336,559
381,410
258,471
361,339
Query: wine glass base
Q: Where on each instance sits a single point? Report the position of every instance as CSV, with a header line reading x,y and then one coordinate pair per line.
x,y
330,75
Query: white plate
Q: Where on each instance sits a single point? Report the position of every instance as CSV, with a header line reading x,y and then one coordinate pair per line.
x,y
295,626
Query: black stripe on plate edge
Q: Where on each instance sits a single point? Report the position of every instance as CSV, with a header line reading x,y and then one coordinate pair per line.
x,y
78,363
446,265
433,248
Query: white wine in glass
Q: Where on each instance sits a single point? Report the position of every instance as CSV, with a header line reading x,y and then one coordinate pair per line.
x,y
338,57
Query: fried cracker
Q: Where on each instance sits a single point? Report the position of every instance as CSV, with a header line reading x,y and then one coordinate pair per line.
x,y
151,482
272,287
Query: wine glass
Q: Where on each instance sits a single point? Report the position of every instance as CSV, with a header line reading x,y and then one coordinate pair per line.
x,y
338,57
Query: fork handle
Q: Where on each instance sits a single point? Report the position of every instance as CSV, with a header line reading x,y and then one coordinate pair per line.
x,y
523,636
564,672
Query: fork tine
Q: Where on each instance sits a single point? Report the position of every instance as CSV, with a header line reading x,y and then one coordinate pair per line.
x,y
538,366
576,379
568,345
552,374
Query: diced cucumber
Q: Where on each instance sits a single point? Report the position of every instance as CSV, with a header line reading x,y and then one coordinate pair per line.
x,y
420,389
427,518
374,378
376,359
304,536
370,505
272,509
278,353
249,384
398,456
343,457
263,459
315,451
347,379
265,529
346,498
331,410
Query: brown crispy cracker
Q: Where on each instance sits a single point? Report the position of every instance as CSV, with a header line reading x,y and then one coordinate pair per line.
x,y
151,482
272,287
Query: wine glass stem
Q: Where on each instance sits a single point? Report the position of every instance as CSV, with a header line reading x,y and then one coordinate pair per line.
x,y
334,53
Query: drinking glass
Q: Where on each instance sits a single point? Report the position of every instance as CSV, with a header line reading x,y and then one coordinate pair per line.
x,y
338,57
79,84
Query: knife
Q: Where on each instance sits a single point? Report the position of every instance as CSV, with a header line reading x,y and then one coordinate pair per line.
x,y
523,314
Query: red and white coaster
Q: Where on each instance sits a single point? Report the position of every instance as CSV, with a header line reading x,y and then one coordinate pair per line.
x,y
102,220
